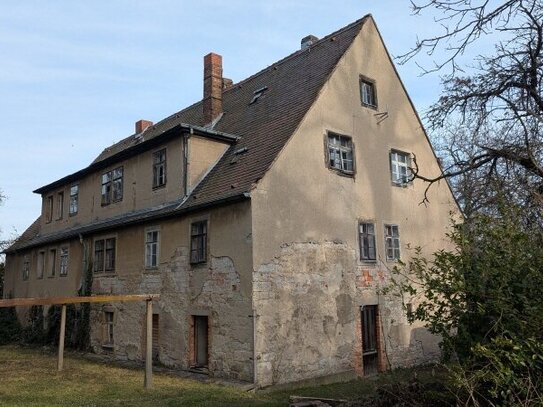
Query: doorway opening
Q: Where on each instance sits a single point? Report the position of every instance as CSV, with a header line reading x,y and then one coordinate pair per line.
x,y
201,343
370,342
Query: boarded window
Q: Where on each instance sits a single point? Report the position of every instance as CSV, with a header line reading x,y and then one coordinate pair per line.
x,y
151,249
52,262
367,241
112,186
49,209
370,344
340,153
74,199
392,242
60,205
198,242
41,265
159,168
63,262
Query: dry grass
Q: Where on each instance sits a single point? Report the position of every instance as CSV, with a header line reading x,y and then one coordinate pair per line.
x,y
28,377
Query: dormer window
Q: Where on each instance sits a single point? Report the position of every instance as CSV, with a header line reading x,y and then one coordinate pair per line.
x,y
257,94
112,186
368,96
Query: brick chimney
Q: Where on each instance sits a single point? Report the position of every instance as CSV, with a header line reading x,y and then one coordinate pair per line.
x,y
213,85
142,125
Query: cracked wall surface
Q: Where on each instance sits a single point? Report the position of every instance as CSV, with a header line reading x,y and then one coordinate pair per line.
x,y
219,289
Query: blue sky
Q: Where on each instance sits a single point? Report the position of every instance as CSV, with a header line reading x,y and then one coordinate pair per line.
x,y
75,76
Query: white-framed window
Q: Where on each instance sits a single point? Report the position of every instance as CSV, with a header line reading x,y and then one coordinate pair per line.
x,y
151,248
340,153
26,267
74,199
399,167
159,168
368,96
366,233
63,262
392,242
112,186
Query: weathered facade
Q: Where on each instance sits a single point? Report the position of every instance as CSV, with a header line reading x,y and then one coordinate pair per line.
x,y
267,216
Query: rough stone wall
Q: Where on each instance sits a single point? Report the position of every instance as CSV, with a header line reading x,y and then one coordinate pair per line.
x,y
216,289
308,301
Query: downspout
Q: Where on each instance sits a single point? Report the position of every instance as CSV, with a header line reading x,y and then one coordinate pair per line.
x,y
186,163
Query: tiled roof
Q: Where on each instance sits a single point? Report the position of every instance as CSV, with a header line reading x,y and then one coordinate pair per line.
x,y
264,127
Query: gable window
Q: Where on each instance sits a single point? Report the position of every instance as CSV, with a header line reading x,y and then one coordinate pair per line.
x,y
392,242
60,205
367,241
151,249
49,209
41,265
340,153
52,262
367,93
108,329
198,242
104,255
26,268
399,167
112,186
63,262
159,168
74,199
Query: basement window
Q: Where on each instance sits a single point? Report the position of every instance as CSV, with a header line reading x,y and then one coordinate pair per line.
x,y
340,153
108,329
257,94
198,242
368,96
112,186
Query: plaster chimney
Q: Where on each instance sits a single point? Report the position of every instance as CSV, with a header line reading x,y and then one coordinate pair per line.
x,y
308,41
213,86
141,125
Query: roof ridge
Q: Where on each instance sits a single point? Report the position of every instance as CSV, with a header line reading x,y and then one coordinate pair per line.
x,y
299,51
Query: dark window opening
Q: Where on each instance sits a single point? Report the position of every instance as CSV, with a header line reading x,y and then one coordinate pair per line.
x,y
201,344
367,241
108,329
26,268
155,336
198,242
49,209
104,255
112,186
370,344
60,205
159,168
367,93
63,262
52,262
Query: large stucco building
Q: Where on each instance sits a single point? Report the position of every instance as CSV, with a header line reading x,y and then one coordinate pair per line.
x,y
267,216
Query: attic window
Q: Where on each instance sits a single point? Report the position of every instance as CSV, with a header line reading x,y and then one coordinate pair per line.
x,y
257,94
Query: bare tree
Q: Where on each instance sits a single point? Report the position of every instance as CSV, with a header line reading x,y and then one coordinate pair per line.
x,y
489,118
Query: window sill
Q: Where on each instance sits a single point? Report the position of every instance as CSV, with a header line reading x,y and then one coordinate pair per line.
x,y
102,274
153,269
51,276
73,214
373,107
347,174
158,187
368,262
108,346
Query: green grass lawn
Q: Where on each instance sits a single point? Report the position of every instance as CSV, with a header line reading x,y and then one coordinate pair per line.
x,y
28,377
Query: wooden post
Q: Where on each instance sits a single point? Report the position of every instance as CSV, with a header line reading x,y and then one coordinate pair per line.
x,y
60,364
149,347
